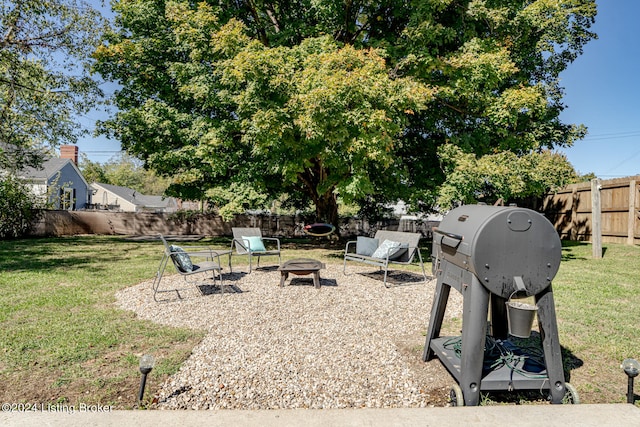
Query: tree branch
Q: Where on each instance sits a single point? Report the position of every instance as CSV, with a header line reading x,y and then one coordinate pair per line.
x,y
256,17
456,109
275,22
44,39
34,89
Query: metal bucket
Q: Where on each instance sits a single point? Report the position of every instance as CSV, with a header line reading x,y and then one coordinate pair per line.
x,y
520,318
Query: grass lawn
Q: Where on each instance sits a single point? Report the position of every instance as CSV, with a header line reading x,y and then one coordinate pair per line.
x,y
62,338
598,308
64,341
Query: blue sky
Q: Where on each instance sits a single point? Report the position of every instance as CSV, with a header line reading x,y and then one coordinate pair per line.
x,y
602,91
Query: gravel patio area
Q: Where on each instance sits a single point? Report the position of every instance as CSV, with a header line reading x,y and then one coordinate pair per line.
x,y
351,343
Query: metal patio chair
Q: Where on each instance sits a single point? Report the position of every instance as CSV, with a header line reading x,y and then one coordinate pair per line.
x,y
249,241
188,262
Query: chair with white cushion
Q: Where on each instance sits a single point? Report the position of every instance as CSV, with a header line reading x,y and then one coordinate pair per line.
x,y
385,249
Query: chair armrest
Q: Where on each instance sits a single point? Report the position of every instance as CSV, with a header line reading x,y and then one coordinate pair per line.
x,y
196,248
274,239
203,251
349,243
247,246
200,251
410,249
189,250
239,242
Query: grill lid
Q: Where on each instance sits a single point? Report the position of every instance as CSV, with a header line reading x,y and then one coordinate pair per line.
x,y
503,246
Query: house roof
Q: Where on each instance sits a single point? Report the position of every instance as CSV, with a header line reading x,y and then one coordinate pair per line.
x,y
49,168
132,196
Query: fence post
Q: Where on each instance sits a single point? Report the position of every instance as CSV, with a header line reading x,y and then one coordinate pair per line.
x,y
573,231
631,223
596,219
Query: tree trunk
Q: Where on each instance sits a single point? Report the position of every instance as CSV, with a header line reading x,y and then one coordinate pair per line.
x,y
326,203
327,209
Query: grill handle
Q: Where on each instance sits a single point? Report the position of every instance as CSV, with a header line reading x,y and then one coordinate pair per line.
x,y
451,240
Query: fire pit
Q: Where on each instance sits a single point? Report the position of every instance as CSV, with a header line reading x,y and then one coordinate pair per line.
x,y
301,267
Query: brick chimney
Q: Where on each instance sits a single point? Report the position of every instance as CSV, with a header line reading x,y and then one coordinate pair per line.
x,y
69,152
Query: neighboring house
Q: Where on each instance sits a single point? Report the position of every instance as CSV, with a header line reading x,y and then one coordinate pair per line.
x,y
61,182
112,197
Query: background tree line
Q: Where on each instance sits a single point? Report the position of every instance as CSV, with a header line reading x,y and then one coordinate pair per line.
x,y
125,171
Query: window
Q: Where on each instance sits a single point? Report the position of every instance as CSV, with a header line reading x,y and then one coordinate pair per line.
x,y
68,199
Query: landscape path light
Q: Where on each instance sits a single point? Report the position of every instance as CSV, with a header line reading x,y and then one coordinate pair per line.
x,y
146,365
631,367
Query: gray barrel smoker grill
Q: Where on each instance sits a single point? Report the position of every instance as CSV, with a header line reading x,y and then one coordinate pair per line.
x,y
491,254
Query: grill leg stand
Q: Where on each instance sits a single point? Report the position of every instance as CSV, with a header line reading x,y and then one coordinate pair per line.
x,y
438,308
551,344
474,331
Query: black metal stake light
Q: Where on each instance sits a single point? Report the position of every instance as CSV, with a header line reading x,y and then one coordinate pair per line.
x,y
631,367
146,365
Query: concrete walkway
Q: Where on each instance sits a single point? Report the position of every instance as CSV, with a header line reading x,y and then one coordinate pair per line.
x,y
489,416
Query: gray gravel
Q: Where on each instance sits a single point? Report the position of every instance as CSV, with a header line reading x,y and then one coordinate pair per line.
x,y
295,347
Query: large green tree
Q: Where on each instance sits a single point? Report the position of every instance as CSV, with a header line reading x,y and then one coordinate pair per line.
x,y
319,99
45,49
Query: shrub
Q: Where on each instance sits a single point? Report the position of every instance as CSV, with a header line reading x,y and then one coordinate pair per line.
x,y
19,208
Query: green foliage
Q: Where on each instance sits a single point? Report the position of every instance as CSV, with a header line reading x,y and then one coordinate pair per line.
x,y
18,208
236,199
321,100
503,175
44,75
125,171
586,177
92,171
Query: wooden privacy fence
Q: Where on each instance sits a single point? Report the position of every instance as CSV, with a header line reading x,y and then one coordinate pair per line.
x,y
68,223
571,210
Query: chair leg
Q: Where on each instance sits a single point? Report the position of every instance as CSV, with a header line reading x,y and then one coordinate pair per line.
x,y
386,271
156,280
199,289
220,278
424,274
214,279
156,284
